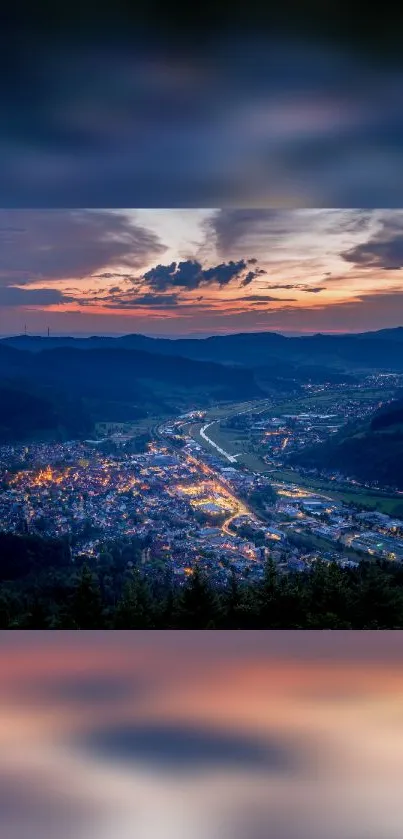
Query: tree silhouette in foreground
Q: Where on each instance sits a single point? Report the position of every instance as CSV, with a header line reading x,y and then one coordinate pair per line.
x,y
198,604
108,593
135,610
84,608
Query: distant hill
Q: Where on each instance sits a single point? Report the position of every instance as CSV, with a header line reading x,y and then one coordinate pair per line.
x,y
116,372
368,451
114,384
289,376
128,377
25,414
381,350
395,334
22,414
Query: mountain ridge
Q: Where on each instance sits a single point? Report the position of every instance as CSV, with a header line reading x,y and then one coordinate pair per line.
x,y
369,450
381,350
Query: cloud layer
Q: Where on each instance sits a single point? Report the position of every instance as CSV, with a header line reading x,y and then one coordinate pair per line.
x,y
224,270
384,249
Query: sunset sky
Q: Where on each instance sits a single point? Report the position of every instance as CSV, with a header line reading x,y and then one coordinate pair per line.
x,y
200,271
194,735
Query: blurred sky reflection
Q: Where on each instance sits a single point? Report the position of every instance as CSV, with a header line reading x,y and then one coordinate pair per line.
x,y
245,120
201,735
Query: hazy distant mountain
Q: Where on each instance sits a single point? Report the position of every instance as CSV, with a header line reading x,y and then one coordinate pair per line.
x,y
395,334
381,350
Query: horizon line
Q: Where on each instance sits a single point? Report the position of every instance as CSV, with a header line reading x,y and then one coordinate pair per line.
x,y
194,335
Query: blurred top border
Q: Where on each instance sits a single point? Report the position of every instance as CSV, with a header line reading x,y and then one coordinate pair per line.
x,y
201,105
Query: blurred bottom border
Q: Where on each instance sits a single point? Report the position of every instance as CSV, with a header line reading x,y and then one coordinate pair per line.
x,y
201,734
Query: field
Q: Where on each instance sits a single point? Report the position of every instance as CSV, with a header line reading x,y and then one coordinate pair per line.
x,y
131,428
317,543
236,442
375,500
231,441
327,400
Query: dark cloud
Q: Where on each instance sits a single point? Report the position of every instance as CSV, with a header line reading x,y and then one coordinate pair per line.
x,y
258,303
383,250
264,298
156,300
188,748
284,285
225,272
190,274
300,286
251,275
119,297
128,301
113,276
14,296
66,244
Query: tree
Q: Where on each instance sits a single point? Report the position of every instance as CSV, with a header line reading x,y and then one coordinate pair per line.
x,y
269,596
84,609
37,616
294,601
199,606
380,604
135,609
329,596
233,603
7,608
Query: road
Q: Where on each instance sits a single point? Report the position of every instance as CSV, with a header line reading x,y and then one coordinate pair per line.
x,y
239,506
231,457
